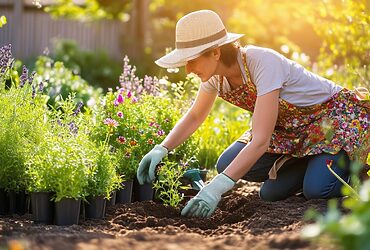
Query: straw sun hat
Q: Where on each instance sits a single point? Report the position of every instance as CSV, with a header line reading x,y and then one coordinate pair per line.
x,y
196,32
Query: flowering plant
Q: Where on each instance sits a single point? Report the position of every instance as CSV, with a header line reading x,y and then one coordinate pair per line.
x,y
22,121
61,161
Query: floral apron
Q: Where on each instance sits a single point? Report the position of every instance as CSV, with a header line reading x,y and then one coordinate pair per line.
x,y
342,122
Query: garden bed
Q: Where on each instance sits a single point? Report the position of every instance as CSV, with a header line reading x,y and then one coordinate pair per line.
x,y
243,221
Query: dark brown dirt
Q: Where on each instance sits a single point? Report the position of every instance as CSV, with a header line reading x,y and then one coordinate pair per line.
x,y
243,221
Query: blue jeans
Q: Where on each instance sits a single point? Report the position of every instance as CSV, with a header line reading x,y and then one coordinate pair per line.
x,y
309,174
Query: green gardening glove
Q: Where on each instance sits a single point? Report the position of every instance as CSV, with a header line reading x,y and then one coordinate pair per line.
x,y
205,202
146,171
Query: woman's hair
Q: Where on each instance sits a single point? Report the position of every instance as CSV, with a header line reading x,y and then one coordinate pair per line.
x,y
229,53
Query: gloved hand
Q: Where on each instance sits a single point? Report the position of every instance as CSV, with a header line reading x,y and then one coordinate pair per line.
x,y
146,171
205,202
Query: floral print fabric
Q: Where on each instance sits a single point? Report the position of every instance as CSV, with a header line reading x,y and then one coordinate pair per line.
x,y
342,122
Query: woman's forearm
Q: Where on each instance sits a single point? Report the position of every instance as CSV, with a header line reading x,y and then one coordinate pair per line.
x,y
183,129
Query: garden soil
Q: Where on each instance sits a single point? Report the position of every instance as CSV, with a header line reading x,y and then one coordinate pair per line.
x,y
242,221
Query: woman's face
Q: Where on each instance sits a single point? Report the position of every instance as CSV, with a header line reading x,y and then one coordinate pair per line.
x,y
203,66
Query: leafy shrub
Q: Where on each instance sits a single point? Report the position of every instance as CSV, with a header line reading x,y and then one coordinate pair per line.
x,y
22,122
96,67
59,82
103,178
62,160
222,127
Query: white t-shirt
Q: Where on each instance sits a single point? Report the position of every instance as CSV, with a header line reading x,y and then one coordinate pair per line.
x,y
269,70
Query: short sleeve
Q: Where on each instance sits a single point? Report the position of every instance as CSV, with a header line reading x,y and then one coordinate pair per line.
x,y
269,70
210,86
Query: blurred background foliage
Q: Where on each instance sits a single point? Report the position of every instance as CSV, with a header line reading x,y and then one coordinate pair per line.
x,y
329,36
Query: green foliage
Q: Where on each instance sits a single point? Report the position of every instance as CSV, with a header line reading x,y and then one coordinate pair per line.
x,y
61,161
93,66
22,123
59,82
103,178
350,230
344,28
223,126
90,10
168,183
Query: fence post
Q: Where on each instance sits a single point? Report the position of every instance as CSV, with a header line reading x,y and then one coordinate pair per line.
x,y
17,28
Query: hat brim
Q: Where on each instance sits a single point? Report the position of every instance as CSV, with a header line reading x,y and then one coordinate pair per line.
x,y
179,57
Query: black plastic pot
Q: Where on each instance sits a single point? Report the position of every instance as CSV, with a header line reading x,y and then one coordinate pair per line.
x,y
4,202
67,211
42,207
143,192
124,195
112,200
17,202
95,207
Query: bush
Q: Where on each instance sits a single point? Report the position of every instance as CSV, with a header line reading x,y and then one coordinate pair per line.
x,y
96,67
22,122
62,161
59,82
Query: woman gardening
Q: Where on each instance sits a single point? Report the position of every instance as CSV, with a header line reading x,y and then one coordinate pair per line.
x,y
301,121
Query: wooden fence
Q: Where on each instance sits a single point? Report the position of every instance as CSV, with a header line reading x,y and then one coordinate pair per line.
x,y
31,31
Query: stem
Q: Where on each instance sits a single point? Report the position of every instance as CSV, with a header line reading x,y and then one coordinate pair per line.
x,y
343,182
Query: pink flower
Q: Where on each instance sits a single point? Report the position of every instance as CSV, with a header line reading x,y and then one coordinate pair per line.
x,y
160,132
120,98
121,139
129,94
120,114
134,99
110,122
151,124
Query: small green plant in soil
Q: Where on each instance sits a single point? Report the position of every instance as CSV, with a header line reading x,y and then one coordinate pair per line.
x,y
168,183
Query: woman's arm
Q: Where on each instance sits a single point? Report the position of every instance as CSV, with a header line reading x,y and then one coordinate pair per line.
x,y
263,123
193,118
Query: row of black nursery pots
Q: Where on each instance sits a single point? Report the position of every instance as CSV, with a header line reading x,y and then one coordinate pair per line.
x,y
68,211
12,202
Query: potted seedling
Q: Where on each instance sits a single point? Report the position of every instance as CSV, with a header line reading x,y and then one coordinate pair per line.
x,y
168,184
41,182
22,110
71,153
102,180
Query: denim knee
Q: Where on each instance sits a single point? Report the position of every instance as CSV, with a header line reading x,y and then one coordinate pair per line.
x,y
222,163
271,193
228,156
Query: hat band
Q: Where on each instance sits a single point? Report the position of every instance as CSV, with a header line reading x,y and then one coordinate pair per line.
x,y
202,41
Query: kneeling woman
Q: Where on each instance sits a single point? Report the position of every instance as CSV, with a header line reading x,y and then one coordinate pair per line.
x,y
301,121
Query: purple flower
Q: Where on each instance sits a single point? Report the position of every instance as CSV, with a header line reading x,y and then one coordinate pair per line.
x,y
120,99
160,132
73,128
30,78
129,94
24,76
33,91
41,87
78,109
5,57
134,100
121,139
120,114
